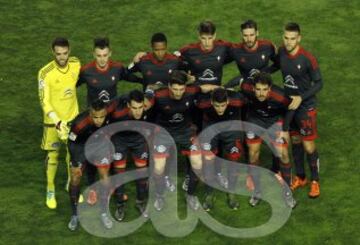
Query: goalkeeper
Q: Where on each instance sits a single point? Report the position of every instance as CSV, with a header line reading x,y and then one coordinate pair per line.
x,y
57,91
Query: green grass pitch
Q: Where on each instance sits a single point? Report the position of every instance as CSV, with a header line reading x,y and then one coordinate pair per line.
x,y
330,32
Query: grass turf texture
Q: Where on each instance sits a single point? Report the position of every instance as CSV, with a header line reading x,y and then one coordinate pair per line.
x,y
28,27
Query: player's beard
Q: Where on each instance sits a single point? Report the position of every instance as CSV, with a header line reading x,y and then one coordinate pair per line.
x,y
251,45
62,63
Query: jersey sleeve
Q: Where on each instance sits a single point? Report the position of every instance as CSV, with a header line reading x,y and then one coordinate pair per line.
x,y
44,93
314,71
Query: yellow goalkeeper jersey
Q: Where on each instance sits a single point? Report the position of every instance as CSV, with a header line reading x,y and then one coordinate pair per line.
x,y
57,90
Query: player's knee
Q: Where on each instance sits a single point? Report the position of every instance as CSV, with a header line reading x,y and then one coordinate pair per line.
x,y
196,162
309,147
159,165
209,157
52,157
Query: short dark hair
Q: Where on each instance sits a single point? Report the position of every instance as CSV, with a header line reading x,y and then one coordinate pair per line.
x,y
178,77
292,26
263,78
219,95
98,105
248,24
101,42
60,41
136,95
158,37
207,27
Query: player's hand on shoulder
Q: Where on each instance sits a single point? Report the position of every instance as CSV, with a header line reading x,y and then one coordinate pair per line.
x,y
295,102
138,56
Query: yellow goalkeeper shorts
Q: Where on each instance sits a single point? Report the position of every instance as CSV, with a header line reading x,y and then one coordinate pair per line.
x,y
50,140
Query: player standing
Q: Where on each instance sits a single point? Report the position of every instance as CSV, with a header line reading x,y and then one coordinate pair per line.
x,y
302,81
156,66
57,91
101,77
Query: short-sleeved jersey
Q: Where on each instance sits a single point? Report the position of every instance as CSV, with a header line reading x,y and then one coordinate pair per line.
x,y
248,60
57,90
299,71
101,84
275,105
174,114
82,127
154,71
206,66
232,112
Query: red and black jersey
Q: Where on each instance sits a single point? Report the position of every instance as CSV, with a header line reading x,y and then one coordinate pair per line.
x,y
275,106
248,60
82,127
154,71
119,112
102,84
301,75
174,114
232,112
206,66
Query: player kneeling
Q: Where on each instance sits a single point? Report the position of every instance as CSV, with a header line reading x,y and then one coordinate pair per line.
x,y
268,107
83,126
221,106
126,110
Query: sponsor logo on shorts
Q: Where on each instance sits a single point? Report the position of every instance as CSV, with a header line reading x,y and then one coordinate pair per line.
x,y
193,148
144,155
250,135
118,156
160,148
206,146
234,149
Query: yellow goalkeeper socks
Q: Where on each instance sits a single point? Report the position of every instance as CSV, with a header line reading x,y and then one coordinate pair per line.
x,y
52,164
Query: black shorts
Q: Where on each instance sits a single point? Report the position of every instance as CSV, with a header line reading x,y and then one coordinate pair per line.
x,y
304,124
137,146
185,140
229,142
256,137
77,155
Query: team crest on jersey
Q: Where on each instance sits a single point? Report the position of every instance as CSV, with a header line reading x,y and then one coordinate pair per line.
x,y
299,66
113,78
242,60
170,71
218,58
149,73
94,81
263,57
197,61
187,103
41,84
